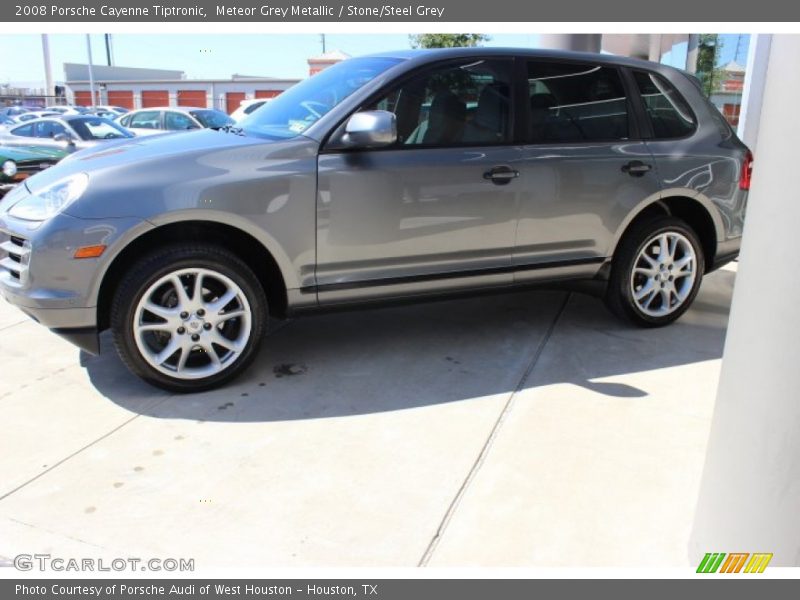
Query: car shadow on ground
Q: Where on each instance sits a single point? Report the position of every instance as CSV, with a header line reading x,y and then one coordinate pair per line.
x,y
404,357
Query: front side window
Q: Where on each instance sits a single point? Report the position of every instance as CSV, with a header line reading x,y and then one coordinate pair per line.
x,y
456,105
176,121
571,103
49,129
296,109
668,112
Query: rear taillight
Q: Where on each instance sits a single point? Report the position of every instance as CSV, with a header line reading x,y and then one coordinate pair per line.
x,y
747,172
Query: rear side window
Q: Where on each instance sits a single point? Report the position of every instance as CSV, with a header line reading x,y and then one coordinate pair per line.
x,y
575,103
148,119
25,130
668,112
253,106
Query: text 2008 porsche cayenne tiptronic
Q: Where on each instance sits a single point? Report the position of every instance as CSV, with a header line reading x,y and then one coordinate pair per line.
x,y
396,175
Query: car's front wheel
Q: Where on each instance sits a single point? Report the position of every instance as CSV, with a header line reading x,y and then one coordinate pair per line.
x,y
656,272
188,317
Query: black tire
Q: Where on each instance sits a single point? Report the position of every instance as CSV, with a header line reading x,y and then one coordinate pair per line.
x,y
619,295
149,270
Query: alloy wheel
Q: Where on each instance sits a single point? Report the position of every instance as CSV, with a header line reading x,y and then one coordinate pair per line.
x,y
192,323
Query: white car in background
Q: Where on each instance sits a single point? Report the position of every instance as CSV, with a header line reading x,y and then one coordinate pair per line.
x,y
67,132
248,106
164,119
119,110
35,114
65,109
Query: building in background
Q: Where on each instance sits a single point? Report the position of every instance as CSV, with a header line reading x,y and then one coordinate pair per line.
x,y
133,88
325,60
727,95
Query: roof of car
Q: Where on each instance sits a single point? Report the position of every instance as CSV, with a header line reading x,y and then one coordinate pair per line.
x,y
427,55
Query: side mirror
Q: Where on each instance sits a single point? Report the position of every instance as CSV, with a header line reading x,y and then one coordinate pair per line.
x,y
64,137
370,129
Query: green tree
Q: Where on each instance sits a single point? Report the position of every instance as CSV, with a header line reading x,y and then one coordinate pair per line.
x,y
709,49
447,40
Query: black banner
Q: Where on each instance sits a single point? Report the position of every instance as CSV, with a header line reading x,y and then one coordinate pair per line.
x,y
731,588
472,11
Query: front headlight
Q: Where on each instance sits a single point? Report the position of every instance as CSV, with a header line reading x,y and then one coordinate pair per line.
x,y
50,200
9,168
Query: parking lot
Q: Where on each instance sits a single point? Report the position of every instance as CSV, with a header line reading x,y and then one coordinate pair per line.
x,y
527,429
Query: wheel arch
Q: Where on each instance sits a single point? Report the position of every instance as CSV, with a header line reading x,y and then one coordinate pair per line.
x,y
696,210
235,239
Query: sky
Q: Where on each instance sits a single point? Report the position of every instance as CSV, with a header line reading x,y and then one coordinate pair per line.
x,y
221,55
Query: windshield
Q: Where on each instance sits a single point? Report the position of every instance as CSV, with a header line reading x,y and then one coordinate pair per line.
x,y
98,128
213,119
291,113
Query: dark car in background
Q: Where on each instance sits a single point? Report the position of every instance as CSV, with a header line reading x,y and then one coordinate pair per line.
x,y
401,175
17,164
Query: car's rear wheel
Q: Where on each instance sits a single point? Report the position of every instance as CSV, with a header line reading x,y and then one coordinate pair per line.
x,y
656,272
188,318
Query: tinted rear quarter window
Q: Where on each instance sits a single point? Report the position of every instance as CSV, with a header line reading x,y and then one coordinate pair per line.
x,y
25,130
669,114
571,102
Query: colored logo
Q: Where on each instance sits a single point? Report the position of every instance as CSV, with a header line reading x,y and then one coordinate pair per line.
x,y
735,562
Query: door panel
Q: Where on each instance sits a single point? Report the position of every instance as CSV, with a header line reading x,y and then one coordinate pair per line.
x,y
154,98
582,172
576,197
423,209
407,213
196,98
233,100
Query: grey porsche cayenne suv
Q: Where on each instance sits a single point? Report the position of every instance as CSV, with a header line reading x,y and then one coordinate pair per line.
x,y
399,175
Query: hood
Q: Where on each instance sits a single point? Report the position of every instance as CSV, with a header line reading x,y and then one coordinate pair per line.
x,y
23,153
126,154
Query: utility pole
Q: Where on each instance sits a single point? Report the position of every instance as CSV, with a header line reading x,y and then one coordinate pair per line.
x,y
48,72
738,47
91,73
109,51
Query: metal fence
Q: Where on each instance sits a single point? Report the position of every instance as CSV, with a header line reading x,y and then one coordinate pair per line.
x,y
31,100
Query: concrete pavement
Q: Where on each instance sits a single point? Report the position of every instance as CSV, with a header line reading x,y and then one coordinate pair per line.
x,y
521,429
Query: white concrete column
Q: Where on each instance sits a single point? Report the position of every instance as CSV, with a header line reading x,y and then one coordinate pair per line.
x,y
654,51
752,98
691,52
750,492
579,42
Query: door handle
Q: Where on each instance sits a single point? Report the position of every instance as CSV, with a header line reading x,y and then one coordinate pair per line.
x,y
501,175
636,168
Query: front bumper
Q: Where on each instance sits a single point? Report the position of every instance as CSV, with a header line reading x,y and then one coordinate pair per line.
x,y
40,276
